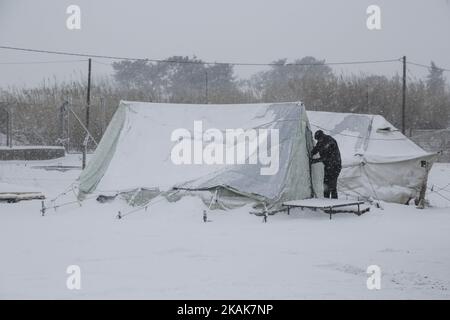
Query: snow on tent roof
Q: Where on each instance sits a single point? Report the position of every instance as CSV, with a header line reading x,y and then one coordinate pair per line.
x,y
135,151
378,161
363,134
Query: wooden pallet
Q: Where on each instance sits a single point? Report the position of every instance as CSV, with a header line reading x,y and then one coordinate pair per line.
x,y
327,205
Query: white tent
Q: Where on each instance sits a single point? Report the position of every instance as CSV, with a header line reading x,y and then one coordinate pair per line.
x,y
379,162
137,152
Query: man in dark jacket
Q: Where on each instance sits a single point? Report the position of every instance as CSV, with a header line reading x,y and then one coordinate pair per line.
x,y
330,155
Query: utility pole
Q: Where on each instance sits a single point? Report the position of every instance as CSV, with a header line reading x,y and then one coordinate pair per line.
x,y
88,98
206,86
404,97
88,106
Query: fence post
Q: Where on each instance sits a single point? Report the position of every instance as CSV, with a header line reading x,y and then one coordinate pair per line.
x,y
85,146
103,117
7,128
10,128
64,125
5,110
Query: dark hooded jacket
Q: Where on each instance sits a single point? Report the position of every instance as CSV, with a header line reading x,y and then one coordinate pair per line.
x,y
329,152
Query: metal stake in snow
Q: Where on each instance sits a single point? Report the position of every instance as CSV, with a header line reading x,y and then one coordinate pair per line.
x,y
213,200
43,208
266,214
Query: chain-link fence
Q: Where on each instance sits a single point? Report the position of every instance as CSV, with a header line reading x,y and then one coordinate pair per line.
x,y
434,141
61,123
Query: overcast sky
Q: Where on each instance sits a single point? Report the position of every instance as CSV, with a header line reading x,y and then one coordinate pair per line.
x,y
221,30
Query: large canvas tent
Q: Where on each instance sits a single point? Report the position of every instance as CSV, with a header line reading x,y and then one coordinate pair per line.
x,y
135,154
379,162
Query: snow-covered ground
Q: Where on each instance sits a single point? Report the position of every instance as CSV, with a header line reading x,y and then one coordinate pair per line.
x,y
168,252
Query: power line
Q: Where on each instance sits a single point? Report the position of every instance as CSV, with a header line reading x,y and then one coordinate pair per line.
x,y
426,66
65,53
102,63
40,62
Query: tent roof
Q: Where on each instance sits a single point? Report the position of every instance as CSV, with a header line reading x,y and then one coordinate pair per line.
x,y
370,136
135,151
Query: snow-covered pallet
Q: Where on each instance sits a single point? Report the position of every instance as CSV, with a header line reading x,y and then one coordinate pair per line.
x,y
20,196
327,205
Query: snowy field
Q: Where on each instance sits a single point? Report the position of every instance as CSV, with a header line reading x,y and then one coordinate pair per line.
x,y
167,252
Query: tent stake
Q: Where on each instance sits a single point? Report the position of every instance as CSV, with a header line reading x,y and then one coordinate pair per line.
x,y
43,208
